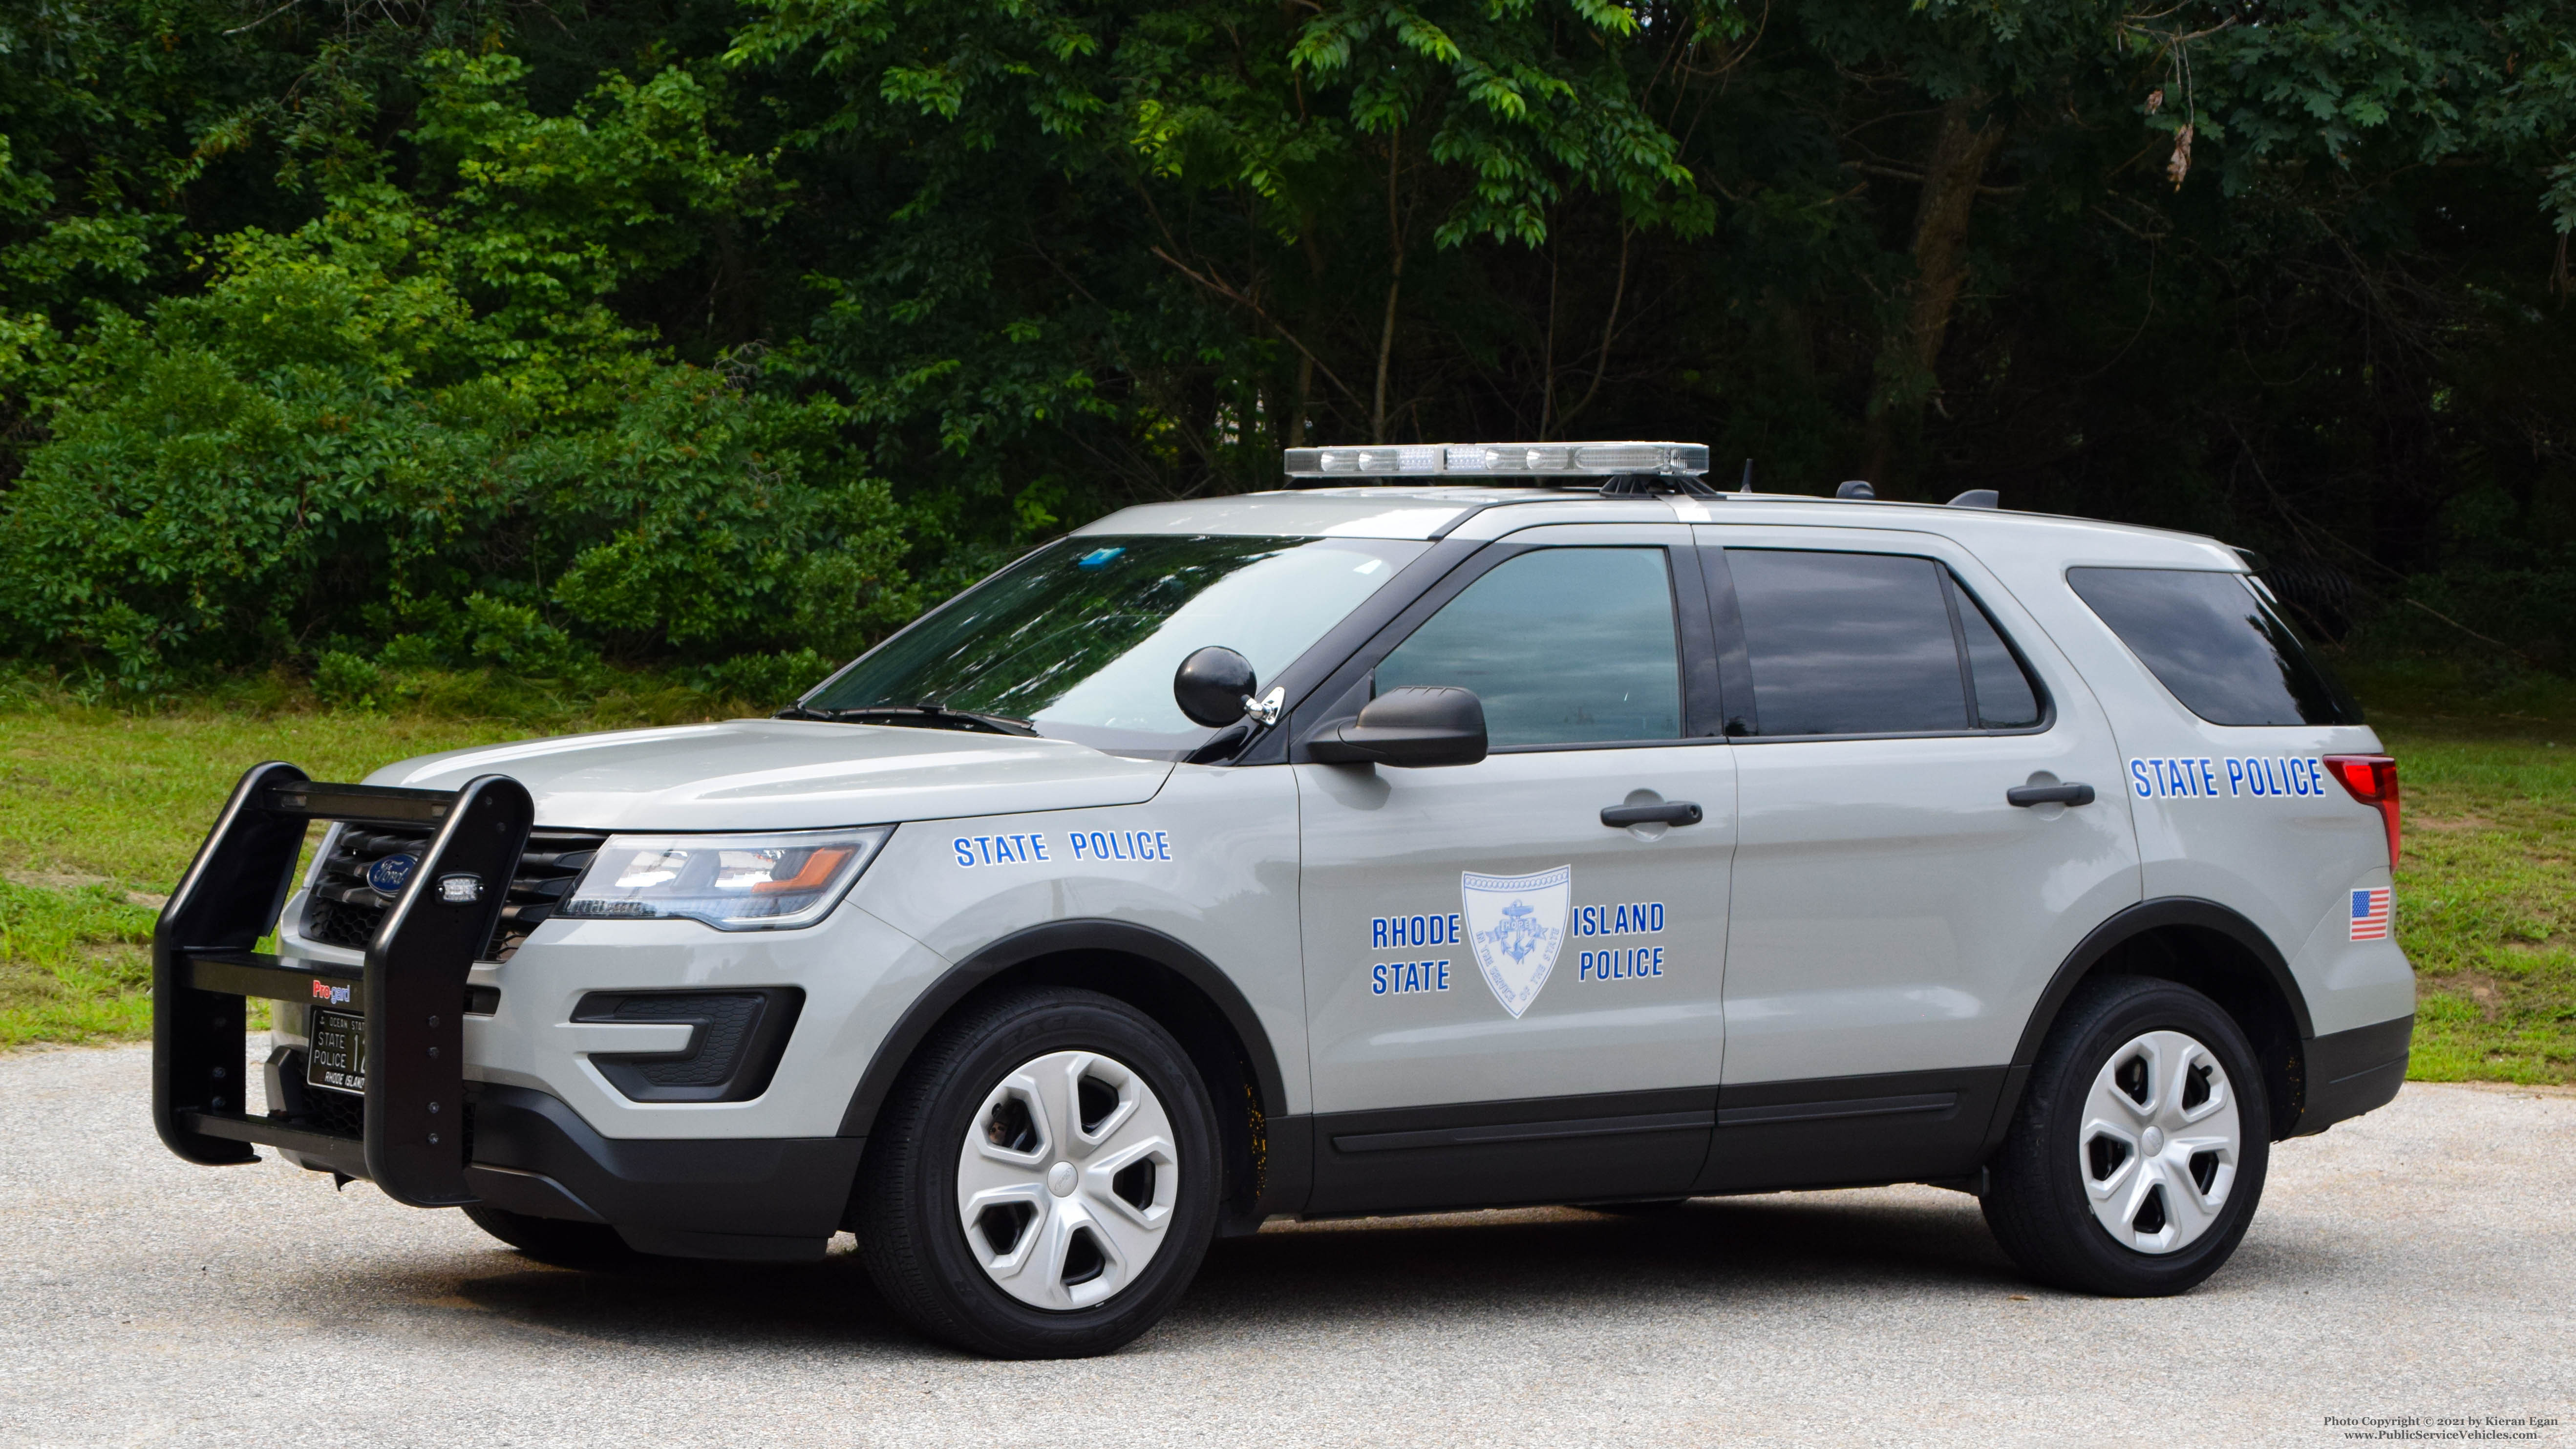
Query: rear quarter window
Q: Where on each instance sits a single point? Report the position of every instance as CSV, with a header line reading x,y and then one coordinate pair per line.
x,y
2217,644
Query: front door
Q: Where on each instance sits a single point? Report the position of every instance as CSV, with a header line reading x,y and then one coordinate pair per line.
x,y
1896,917
1511,1000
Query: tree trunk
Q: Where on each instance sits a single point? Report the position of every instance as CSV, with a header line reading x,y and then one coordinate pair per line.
x,y
1394,284
1906,376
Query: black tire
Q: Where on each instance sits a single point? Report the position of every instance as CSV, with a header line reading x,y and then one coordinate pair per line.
x,y
2036,1201
553,1240
909,1229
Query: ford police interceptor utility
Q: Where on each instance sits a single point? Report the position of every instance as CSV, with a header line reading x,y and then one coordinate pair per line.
x,y
1533,824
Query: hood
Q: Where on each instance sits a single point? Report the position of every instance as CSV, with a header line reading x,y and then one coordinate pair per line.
x,y
775,774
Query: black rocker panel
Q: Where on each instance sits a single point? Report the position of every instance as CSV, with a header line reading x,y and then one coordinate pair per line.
x,y
1849,1131
1501,1154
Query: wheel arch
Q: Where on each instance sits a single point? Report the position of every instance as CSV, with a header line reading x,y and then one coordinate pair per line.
x,y
1165,978
2213,950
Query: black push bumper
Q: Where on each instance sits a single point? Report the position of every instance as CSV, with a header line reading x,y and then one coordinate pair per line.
x,y
411,989
426,1135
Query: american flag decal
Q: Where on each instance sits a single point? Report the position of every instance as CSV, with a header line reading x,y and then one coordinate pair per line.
x,y
2370,915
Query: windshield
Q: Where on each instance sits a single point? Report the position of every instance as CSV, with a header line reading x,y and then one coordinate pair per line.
x,y
1080,639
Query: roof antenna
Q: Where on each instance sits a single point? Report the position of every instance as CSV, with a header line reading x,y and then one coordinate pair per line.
x,y
1747,485
1855,488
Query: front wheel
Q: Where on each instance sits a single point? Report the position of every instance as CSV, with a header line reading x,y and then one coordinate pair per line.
x,y
1044,1182
2137,1154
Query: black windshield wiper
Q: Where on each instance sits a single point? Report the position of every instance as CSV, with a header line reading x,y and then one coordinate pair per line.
x,y
924,716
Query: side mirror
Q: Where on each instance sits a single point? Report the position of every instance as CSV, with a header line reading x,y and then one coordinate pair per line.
x,y
1413,727
1213,685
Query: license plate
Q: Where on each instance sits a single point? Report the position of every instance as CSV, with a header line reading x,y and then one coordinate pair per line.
x,y
338,1060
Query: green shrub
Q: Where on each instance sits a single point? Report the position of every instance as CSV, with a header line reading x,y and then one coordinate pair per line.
x,y
347,680
768,681
414,429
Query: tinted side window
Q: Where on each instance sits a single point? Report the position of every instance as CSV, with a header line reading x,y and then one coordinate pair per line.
x,y
1848,643
2006,699
1563,645
2215,643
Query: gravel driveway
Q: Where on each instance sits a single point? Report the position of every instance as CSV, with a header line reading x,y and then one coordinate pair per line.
x,y
2418,1262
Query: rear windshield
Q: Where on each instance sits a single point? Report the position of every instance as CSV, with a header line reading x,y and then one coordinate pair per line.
x,y
2218,644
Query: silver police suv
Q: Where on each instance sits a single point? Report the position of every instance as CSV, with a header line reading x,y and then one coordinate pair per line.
x,y
1481,825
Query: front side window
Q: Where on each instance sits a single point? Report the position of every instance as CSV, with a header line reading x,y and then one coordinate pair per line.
x,y
2213,640
1872,644
1563,645
1080,640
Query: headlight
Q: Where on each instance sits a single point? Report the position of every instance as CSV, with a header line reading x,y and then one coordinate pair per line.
x,y
731,882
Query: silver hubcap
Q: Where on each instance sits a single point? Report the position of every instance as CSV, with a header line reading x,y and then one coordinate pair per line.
x,y
2158,1149
1066,1180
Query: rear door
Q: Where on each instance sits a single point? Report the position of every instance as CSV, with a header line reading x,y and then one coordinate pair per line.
x,y
1508,1000
1895,917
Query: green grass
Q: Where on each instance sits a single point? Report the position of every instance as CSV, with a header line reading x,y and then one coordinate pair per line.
x,y
100,812
74,965
2486,905
128,797
101,808
2486,894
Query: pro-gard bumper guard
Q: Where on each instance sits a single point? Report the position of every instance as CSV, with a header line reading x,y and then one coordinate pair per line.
x,y
411,989
429,1136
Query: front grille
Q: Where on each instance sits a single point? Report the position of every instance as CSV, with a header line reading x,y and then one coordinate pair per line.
x,y
292,1099
329,1111
344,910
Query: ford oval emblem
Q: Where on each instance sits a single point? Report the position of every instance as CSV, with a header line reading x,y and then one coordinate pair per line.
x,y
386,876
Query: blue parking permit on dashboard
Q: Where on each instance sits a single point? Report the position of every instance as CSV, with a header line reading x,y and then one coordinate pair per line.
x,y
1098,558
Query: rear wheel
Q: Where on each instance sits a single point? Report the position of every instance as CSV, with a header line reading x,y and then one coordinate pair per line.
x,y
1043,1184
2137,1154
553,1240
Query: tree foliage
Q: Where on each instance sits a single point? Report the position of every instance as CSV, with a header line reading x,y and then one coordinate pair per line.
x,y
450,330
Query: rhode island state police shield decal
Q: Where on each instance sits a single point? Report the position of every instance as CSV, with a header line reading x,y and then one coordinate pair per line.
x,y
1516,922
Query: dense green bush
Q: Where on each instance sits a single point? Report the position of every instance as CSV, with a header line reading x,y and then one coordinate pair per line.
x,y
414,431
401,345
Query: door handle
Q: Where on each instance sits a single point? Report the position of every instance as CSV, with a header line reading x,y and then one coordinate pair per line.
x,y
2029,795
1677,812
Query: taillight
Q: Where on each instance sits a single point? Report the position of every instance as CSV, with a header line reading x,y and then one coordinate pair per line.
x,y
2372,780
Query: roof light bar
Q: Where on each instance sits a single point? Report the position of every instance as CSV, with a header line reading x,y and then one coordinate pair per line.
x,y
1497,460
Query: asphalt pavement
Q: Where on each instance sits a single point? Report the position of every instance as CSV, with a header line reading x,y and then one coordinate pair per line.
x,y
2419,1263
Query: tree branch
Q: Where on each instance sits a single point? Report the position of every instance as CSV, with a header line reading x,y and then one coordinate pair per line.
x,y
1609,328
1217,285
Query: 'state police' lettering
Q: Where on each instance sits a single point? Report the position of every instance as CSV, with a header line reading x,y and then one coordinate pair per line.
x,y
1087,845
2235,777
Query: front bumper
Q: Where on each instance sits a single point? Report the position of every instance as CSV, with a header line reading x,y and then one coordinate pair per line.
x,y
765,1198
423,1130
